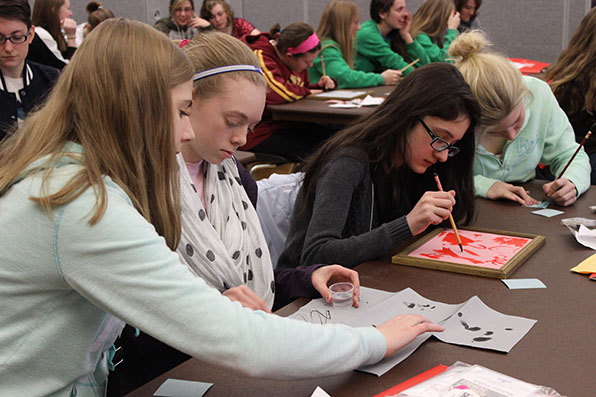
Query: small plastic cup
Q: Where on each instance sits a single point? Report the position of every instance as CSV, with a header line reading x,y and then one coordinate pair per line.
x,y
342,294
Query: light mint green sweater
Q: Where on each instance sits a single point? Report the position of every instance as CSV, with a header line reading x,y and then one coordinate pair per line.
x,y
545,137
66,284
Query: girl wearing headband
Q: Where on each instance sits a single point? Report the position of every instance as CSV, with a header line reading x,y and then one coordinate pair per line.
x,y
90,187
521,125
222,241
337,30
284,57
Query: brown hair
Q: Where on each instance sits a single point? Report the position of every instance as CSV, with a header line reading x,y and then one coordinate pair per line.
x,y
208,5
574,74
291,36
459,4
114,99
18,10
45,14
216,49
437,90
335,25
97,14
431,19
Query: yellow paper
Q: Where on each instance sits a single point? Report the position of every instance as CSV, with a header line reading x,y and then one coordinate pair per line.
x,y
588,265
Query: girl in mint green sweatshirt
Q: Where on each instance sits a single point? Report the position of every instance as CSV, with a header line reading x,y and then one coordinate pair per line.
x,y
522,125
89,218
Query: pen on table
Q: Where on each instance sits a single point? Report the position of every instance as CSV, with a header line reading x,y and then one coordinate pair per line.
x,y
592,128
461,247
407,66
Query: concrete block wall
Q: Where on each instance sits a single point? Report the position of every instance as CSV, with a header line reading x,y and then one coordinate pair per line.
x,y
533,29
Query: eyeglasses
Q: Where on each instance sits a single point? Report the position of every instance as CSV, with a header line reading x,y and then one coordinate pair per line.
x,y
439,144
18,38
181,10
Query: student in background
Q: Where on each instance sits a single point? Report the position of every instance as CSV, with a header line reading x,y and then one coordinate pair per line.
x,y
337,31
97,14
573,81
468,12
284,57
369,187
183,22
52,22
385,42
90,186
522,125
221,16
23,84
434,26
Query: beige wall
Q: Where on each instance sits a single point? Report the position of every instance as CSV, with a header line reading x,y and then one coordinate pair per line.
x,y
534,29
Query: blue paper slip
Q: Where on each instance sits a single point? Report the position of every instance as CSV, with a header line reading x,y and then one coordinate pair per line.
x,y
548,212
524,283
182,388
541,204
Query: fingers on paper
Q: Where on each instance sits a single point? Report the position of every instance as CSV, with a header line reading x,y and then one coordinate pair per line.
x,y
403,329
562,190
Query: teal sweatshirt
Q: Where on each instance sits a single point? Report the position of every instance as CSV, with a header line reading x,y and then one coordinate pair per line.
x,y
432,50
545,137
375,53
67,287
338,69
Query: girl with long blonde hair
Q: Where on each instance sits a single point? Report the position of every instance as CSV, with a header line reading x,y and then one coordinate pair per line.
x,y
337,31
90,187
521,125
434,27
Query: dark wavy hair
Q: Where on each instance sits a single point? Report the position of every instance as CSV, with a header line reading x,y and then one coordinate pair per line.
x,y
397,43
437,90
16,10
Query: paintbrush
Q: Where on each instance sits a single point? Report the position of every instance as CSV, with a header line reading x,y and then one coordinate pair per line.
x,y
409,65
592,128
461,247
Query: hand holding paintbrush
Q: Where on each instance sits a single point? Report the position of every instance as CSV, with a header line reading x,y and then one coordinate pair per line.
x,y
561,189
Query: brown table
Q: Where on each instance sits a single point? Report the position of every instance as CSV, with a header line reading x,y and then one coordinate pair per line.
x,y
559,351
318,111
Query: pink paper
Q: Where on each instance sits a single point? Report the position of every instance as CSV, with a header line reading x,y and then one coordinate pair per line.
x,y
480,249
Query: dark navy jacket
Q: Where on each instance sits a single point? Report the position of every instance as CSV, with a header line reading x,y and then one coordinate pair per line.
x,y
38,80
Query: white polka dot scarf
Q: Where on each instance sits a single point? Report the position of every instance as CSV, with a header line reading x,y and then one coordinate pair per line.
x,y
228,248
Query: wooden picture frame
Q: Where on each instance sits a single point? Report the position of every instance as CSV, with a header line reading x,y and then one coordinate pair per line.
x,y
504,271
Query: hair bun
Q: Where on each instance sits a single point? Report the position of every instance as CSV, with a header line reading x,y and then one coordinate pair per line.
x,y
93,6
468,44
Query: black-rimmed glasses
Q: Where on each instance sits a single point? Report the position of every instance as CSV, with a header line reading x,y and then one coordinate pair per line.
x,y
18,38
439,144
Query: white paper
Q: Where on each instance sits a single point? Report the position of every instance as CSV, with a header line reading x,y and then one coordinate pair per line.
x,y
319,393
371,101
471,323
340,94
318,311
584,236
182,388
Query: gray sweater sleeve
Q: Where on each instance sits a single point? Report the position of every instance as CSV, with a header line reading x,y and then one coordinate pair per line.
x,y
340,181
